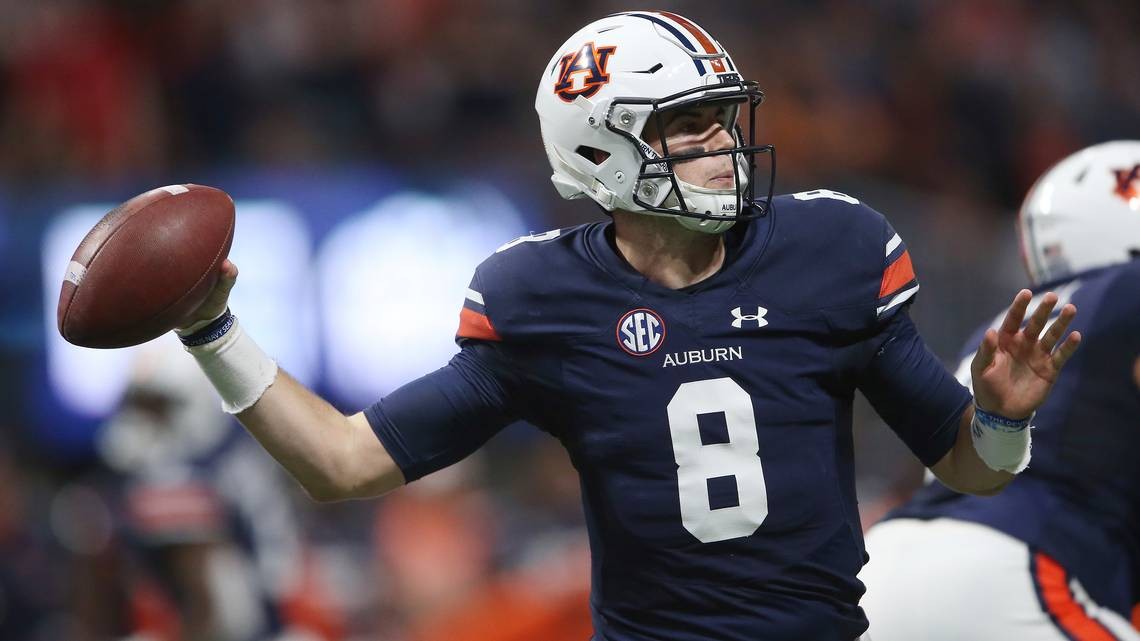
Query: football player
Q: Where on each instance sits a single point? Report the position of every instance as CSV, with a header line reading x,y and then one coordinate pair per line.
x,y
1053,557
208,522
697,355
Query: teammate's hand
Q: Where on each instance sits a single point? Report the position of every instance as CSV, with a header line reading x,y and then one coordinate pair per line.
x,y
215,303
1014,368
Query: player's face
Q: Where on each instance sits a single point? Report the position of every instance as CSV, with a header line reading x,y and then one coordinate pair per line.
x,y
695,130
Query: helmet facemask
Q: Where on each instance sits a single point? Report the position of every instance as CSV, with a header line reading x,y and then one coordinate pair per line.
x,y
659,191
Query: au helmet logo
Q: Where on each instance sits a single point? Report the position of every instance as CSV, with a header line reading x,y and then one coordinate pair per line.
x,y
640,332
583,72
1126,180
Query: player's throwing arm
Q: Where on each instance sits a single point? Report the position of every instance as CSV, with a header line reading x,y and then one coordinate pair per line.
x,y
157,263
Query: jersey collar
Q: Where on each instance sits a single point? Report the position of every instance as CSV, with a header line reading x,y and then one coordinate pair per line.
x,y
744,244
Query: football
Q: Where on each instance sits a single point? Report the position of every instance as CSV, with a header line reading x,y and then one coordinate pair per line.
x,y
145,266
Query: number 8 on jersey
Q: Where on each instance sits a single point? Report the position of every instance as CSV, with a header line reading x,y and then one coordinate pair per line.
x,y
702,467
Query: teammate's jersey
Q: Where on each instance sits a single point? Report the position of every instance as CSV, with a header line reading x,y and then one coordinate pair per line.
x,y
710,426
229,496
1079,500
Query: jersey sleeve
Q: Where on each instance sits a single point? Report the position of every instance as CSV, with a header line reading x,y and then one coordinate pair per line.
x,y
439,419
504,300
898,284
856,268
474,321
911,390
443,417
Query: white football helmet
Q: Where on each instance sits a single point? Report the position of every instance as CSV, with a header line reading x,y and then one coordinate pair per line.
x,y
169,414
605,83
1083,213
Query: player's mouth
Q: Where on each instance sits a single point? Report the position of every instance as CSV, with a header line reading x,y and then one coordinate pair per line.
x,y
725,180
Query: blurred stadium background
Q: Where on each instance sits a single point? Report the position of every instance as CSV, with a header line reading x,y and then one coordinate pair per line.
x,y
378,149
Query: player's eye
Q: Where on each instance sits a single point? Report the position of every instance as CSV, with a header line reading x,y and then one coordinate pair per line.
x,y
687,126
682,150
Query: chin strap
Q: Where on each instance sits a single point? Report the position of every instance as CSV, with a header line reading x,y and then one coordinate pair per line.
x,y
718,203
710,202
705,226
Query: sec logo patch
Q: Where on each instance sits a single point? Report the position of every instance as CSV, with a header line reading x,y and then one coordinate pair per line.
x,y
640,332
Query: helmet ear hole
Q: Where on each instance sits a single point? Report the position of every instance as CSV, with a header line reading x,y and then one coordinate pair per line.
x,y
592,154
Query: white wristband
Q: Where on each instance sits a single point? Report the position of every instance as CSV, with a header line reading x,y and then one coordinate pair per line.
x,y
238,368
998,447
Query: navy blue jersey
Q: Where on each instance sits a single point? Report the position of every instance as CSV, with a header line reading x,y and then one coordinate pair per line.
x,y
1079,500
710,426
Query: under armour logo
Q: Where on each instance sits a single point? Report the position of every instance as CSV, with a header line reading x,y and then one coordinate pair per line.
x,y
741,317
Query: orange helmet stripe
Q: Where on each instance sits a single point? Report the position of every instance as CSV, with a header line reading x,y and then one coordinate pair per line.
x,y
701,37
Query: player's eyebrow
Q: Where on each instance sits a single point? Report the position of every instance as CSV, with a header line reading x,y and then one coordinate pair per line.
x,y
675,116
691,112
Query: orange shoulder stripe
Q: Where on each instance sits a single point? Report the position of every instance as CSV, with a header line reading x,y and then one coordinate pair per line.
x,y
898,274
475,325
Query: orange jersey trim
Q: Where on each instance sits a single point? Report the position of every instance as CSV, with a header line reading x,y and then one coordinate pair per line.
x,y
898,274
475,325
1053,585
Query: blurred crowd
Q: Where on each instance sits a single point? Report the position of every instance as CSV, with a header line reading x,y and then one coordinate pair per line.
x,y
969,97
939,113
181,528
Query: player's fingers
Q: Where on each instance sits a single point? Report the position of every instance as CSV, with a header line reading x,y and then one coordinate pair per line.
x,y
1066,350
229,269
227,279
1040,316
1016,312
1057,328
985,354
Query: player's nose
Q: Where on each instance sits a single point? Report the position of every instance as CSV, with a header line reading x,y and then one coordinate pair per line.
x,y
722,139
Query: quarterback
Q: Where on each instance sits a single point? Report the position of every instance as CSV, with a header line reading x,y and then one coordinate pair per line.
x,y
1060,548
697,354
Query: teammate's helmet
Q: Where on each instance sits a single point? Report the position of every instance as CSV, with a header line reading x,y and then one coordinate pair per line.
x,y
1083,213
604,85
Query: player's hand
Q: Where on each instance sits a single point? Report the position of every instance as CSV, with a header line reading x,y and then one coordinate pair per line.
x,y
1014,368
215,303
